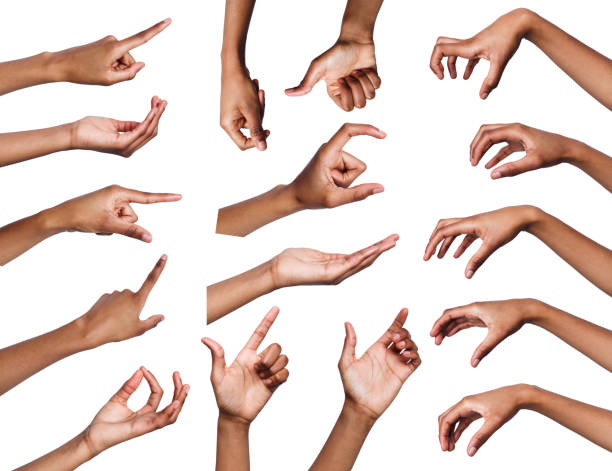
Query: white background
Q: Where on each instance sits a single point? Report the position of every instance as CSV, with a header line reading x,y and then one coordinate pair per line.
x,y
424,167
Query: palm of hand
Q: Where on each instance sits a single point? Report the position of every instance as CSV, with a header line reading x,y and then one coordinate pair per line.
x,y
96,133
116,423
375,379
242,392
307,266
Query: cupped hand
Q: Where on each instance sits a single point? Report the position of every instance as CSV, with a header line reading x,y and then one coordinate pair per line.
x,y
542,149
495,228
106,61
108,211
116,422
501,318
242,107
244,388
294,267
372,381
326,181
350,74
116,316
117,137
496,407
497,44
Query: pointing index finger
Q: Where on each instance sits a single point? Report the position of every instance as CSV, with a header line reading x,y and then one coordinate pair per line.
x,y
140,38
262,329
151,280
143,197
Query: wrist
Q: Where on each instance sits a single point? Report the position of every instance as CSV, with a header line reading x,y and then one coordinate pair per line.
x,y
51,222
233,62
526,21
537,312
527,396
531,216
358,414
355,31
233,423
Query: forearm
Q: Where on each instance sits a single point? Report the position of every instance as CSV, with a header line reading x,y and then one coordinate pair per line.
x,y
22,360
594,163
589,339
228,295
236,27
243,218
345,441
593,423
232,445
20,236
66,458
27,72
359,19
21,146
587,67
591,259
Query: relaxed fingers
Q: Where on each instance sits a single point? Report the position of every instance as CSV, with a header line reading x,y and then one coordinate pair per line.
x,y
445,246
268,357
156,391
359,98
465,243
276,380
280,363
367,86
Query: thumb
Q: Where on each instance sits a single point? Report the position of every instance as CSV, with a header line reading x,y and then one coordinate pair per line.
x,y
482,435
218,358
132,230
350,341
359,192
152,321
511,169
313,75
127,74
492,81
258,135
488,344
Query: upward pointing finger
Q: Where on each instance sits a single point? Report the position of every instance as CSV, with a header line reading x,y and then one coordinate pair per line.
x,y
140,38
395,327
349,130
149,283
262,329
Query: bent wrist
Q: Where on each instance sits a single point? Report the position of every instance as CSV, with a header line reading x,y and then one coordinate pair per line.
x,y
233,424
527,396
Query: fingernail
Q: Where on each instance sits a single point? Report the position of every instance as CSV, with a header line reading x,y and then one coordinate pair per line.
x,y
164,257
496,174
475,362
187,388
147,238
485,95
261,145
472,451
377,190
470,273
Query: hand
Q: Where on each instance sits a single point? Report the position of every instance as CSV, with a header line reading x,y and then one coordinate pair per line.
x,y
496,407
294,267
495,228
107,61
501,318
117,137
108,211
242,107
372,381
326,181
116,316
497,43
543,149
116,423
244,388
349,71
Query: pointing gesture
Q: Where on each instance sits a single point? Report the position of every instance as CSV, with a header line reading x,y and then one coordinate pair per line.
x,y
244,388
116,316
106,61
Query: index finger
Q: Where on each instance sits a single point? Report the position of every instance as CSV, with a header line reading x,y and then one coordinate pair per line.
x,y
143,197
446,317
442,50
151,280
395,327
140,38
454,229
262,329
349,130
